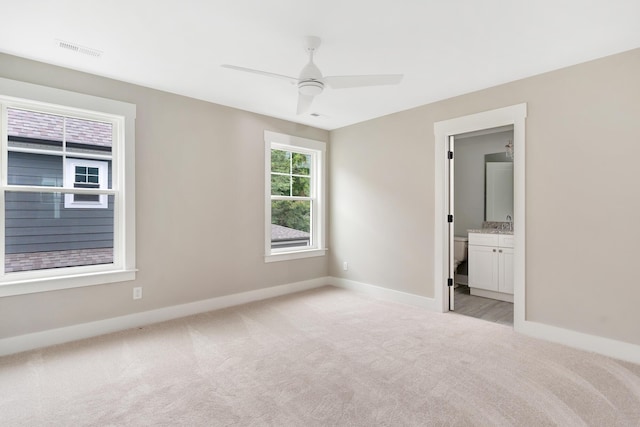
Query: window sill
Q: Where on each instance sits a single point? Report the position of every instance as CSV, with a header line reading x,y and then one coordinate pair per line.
x,y
32,286
286,256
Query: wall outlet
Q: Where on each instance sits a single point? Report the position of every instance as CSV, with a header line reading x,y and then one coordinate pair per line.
x,y
137,292
345,266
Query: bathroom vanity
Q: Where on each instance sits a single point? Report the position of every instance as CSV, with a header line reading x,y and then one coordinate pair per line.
x,y
490,259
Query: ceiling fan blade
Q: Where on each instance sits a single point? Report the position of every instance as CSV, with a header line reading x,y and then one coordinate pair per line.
x,y
304,103
343,82
291,80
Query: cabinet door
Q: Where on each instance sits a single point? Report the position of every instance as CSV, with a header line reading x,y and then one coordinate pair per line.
x,y
483,267
505,262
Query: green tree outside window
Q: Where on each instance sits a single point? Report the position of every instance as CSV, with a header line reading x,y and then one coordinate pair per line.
x,y
291,177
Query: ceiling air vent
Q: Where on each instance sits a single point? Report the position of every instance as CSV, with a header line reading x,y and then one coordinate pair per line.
x,y
74,47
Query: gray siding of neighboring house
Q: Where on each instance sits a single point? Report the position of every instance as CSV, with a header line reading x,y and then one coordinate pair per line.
x,y
36,222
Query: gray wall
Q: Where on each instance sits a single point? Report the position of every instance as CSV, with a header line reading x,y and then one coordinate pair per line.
x,y
36,222
582,197
469,179
199,206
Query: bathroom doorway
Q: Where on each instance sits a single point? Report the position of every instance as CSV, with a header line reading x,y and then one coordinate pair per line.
x,y
445,133
482,192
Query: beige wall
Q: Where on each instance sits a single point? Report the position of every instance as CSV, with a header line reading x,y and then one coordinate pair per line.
x,y
583,145
582,200
200,213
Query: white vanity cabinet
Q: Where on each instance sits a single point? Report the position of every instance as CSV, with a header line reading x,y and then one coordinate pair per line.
x,y
491,265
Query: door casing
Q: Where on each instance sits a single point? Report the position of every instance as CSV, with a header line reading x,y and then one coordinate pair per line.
x,y
512,115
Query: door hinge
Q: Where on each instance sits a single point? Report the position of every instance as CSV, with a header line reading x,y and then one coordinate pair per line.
x,y
449,218
450,155
449,281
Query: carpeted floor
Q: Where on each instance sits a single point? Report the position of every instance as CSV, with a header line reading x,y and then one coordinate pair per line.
x,y
326,357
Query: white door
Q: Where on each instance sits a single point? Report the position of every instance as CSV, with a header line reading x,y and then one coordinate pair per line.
x,y
451,228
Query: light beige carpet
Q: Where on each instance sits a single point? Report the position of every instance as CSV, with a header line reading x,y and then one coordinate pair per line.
x,y
326,357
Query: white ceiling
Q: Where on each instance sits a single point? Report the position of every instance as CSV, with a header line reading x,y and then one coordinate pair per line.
x,y
443,48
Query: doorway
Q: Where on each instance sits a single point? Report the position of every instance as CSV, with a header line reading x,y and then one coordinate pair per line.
x,y
515,116
482,191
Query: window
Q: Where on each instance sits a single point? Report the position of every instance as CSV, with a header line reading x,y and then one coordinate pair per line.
x,y
294,197
67,189
82,173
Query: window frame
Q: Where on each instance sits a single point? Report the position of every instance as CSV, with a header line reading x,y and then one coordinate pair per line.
x,y
15,94
317,150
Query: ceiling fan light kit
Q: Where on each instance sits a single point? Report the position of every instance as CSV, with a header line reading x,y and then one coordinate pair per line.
x,y
310,87
311,82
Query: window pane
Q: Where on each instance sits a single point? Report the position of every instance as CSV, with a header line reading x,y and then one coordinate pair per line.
x,y
30,129
301,186
82,135
42,234
34,169
92,171
290,223
301,164
280,161
280,185
93,179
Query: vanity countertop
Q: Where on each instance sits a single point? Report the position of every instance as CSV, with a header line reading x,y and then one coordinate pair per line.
x,y
489,231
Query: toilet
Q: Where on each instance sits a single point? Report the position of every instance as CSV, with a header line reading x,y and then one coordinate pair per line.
x,y
460,244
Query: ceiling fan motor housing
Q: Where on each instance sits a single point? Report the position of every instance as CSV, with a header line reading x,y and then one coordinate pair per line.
x,y
310,87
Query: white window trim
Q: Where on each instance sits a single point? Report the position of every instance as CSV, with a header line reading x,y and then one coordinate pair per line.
x,y
318,191
69,181
20,94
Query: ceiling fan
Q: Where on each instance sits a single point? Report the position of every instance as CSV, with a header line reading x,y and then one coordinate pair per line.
x,y
311,82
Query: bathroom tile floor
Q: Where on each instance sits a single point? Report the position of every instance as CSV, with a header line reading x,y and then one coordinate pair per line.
x,y
482,308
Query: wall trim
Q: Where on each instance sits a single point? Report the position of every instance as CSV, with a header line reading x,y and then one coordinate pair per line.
x,y
51,337
592,343
385,293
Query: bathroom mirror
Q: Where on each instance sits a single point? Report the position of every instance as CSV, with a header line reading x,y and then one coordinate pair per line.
x,y
498,189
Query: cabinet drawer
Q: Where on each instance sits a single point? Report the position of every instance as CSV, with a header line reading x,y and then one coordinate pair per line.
x,y
505,240
483,239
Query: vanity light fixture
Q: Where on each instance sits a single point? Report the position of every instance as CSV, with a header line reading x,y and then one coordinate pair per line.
x,y
509,149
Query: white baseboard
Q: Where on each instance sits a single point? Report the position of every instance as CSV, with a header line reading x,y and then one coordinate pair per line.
x,y
50,337
385,293
605,346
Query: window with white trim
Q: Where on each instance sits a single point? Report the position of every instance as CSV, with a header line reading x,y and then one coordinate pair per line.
x,y
67,202
83,173
294,197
